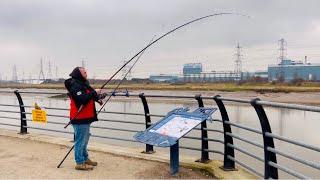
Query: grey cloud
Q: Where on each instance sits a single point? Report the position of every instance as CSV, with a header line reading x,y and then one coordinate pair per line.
x,y
107,32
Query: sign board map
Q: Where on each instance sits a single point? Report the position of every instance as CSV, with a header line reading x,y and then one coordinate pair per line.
x,y
175,125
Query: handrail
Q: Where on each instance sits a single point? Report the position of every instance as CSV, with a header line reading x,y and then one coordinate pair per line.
x,y
245,166
244,140
266,103
289,156
290,106
281,138
287,170
245,152
271,152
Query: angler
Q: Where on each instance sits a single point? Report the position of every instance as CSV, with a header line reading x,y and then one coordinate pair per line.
x,y
82,114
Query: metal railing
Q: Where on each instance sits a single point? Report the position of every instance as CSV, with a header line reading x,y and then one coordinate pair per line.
x,y
270,152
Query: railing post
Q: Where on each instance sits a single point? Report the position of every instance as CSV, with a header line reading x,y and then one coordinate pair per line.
x,y
228,165
204,135
23,129
269,171
149,148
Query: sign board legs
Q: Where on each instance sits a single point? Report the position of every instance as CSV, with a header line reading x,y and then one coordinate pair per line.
x,y
174,159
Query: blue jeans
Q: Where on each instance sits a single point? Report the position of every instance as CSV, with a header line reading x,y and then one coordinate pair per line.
x,y
82,134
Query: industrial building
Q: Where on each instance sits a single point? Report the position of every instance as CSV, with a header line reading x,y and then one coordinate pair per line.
x,y
192,68
289,70
164,78
255,74
193,72
214,76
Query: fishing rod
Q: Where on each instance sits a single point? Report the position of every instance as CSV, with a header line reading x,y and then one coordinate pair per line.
x,y
103,103
153,42
146,47
123,79
156,40
169,32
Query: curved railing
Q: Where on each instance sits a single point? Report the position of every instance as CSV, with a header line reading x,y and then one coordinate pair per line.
x,y
270,151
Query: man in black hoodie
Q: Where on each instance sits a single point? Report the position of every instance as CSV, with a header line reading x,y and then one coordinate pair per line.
x,y
82,114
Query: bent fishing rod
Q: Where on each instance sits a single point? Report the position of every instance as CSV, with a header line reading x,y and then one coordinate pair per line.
x,y
103,103
169,32
156,40
146,47
153,42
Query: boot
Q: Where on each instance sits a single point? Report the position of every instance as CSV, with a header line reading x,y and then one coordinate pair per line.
x,y
92,163
84,167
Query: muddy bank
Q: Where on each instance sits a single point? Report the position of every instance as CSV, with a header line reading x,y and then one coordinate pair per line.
x,y
309,98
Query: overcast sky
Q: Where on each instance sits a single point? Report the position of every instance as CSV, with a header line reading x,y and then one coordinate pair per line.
x,y
106,32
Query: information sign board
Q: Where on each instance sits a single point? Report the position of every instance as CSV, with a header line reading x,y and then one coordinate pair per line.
x,y
175,125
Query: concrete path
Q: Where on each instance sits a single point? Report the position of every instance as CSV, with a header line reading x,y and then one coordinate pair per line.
x,y
25,158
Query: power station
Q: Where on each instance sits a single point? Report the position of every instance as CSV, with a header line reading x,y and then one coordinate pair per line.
x,y
285,70
193,72
288,70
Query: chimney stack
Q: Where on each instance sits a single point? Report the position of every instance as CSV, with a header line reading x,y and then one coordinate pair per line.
x,y
305,59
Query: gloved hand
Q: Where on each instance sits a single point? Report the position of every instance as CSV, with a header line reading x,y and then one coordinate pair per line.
x,y
100,102
102,96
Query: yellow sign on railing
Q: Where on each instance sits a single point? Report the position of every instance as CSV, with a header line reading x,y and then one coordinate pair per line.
x,y
39,116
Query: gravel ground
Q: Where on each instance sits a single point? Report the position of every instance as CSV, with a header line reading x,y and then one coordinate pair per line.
x,y
23,158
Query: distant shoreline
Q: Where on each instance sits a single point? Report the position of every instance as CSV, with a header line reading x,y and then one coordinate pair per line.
x,y
309,95
223,87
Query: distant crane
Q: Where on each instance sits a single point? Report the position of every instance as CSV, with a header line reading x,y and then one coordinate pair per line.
x,y
41,74
282,56
57,72
83,63
14,74
49,70
238,61
282,49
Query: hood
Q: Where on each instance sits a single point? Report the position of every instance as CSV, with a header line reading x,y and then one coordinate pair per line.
x,y
76,74
67,84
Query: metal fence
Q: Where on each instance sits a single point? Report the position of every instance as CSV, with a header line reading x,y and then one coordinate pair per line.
x,y
271,153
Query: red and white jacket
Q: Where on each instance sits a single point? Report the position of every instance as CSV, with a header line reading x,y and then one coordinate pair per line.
x,y
82,102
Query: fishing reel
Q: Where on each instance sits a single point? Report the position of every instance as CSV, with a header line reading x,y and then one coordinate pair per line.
x,y
102,96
